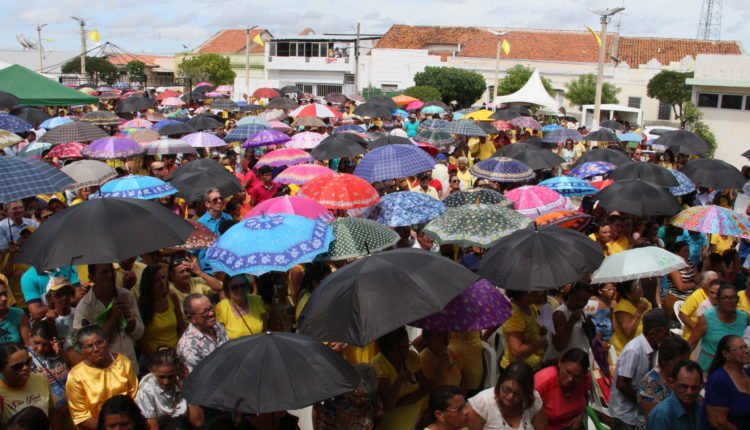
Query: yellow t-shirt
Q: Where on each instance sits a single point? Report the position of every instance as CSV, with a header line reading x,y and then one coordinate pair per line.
x,y
234,324
468,348
15,295
400,417
89,387
482,150
162,330
35,392
429,365
721,243
744,303
197,286
618,338
303,299
466,178
137,269
520,322
690,307
621,244
360,354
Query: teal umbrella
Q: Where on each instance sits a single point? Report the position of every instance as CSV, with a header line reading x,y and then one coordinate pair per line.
x,y
356,237
478,225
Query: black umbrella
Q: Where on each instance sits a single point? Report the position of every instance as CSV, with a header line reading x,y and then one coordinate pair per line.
x,y
373,110
505,115
32,115
683,142
203,89
712,173
534,259
8,100
291,89
252,108
646,172
224,104
435,103
379,293
177,128
537,143
134,104
487,127
203,122
384,101
282,103
193,179
746,154
339,145
637,197
614,156
612,125
103,231
536,159
269,372
601,135
522,110
195,95
336,98
388,140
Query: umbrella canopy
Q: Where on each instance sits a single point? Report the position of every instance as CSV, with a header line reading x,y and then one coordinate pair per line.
x,y
269,243
535,158
8,139
630,137
686,185
308,121
13,123
336,98
284,157
293,205
34,149
712,173
415,105
252,108
339,145
167,94
176,128
534,259
714,220
254,120
244,132
136,123
8,100
136,187
487,127
26,177
565,218
432,110
55,122
274,115
403,99
612,125
464,127
433,123
305,140
646,262
203,140
478,307
503,125
379,293
89,173
355,237
203,122
266,93
349,127
614,156
525,122
194,178
340,191
393,161
301,174
224,104
282,103
144,136
502,169
173,101
638,198
476,196
101,117
111,148
168,146
78,234
135,103
252,374
590,169
388,139
562,135
569,186
475,225
505,114
373,110
66,151
266,138
437,137
33,115
200,238
384,101
73,132
406,208
602,135
534,200
683,142
646,172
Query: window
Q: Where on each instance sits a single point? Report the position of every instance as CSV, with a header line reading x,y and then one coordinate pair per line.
x,y
272,49
325,89
282,49
747,102
387,88
665,111
634,102
708,100
731,101
305,88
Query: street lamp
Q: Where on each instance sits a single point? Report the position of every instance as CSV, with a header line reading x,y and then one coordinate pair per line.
x,y
41,51
604,16
499,35
82,22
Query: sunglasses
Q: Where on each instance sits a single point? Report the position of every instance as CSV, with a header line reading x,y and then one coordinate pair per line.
x,y
19,366
215,200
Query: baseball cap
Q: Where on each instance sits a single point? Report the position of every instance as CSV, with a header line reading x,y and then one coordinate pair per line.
x,y
57,283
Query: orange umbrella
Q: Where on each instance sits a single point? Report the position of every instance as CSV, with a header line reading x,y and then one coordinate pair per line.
x,y
403,100
565,218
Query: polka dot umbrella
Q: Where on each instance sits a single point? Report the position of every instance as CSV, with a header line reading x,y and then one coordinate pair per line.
x,y
356,237
475,225
476,196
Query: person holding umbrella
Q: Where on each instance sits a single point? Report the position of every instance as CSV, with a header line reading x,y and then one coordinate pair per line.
x,y
522,335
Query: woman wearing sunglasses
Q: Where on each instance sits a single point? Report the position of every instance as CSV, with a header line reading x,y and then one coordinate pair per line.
x,y
242,313
20,388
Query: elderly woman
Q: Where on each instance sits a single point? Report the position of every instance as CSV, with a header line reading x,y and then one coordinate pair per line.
x,y
447,410
628,314
727,400
655,385
20,387
511,404
100,376
357,409
522,335
242,313
160,311
564,389
463,173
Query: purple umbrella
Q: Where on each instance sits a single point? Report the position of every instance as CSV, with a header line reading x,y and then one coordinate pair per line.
x,y
203,140
480,306
265,138
110,148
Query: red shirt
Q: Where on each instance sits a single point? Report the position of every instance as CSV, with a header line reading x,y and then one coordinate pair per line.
x,y
259,193
560,409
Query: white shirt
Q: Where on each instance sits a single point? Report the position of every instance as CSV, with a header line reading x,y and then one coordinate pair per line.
x,y
8,227
636,359
578,337
485,406
154,402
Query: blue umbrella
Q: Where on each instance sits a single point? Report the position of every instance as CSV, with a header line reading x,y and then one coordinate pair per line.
x,y
464,128
503,169
686,186
350,127
163,123
630,137
13,123
406,208
562,135
26,177
590,169
54,122
569,186
400,112
393,161
136,187
244,132
431,110
268,243
550,127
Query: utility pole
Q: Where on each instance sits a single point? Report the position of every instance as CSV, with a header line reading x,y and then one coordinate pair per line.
x,y
499,35
604,20
356,61
41,50
82,23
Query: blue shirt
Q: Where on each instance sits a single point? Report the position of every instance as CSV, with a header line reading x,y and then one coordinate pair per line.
x,y
9,327
670,414
696,242
721,392
34,285
411,128
213,224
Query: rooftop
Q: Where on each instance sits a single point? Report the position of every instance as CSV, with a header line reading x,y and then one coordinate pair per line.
x,y
232,42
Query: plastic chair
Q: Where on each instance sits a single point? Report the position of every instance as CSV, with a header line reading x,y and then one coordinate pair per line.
x,y
490,365
593,418
676,308
305,417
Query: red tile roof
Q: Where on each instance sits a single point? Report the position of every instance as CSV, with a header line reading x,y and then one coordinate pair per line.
x,y
231,42
120,59
640,50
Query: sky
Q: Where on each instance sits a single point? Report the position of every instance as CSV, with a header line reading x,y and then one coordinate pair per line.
x,y
168,26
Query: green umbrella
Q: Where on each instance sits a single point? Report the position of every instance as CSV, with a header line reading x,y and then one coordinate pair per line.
x,y
356,237
476,195
477,224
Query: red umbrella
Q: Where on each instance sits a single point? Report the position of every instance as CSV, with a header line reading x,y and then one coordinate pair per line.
x,y
340,191
66,150
430,149
266,93
600,185
316,110
167,94
503,125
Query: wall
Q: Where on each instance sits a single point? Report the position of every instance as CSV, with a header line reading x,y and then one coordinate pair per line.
x,y
394,67
729,126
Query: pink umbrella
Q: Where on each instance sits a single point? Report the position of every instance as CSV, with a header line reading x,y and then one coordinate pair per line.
x,y
284,157
278,125
306,140
300,174
223,89
416,104
66,150
301,206
532,200
203,84
172,101
137,123
214,93
204,140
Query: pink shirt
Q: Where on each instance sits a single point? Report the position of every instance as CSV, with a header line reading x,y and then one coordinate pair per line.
x,y
560,409
258,193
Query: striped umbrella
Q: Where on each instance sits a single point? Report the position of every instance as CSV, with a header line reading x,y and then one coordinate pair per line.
x,y
316,110
265,138
284,157
302,173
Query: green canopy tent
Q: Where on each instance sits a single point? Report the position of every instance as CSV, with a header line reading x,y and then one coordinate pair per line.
x,y
33,89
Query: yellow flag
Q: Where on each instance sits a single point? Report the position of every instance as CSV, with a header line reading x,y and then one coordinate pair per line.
x,y
259,40
596,36
95,36
506,47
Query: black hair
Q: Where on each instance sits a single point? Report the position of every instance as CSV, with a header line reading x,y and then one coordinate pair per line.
x,y
675,247
690,366
725,287
29,418
439,400
578,356
265,169
165,357
237,280
614,218
719,359
45,329
6,350
523,374
514,294
146,298
92,270
122,405
624,288
729,256
671,348
715,258
581,286
387,341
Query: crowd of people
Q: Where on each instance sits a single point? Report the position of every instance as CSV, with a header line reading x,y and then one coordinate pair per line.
x,y
105,346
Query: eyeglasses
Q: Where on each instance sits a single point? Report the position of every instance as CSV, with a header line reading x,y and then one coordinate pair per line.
x,y
456,181
204,312
19,366
98,344
729,298
742,348
517,394
215,200
458,409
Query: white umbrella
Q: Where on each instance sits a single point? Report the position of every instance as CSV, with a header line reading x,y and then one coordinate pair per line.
x,y
637,263
169,146
89,173
305,140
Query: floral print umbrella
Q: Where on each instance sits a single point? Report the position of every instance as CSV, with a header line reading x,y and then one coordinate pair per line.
x,y
475,225
476,196
405,208
356,237
533,201
713,219
502,169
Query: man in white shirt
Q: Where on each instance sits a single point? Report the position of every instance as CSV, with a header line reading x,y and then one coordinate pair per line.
x,y
10,228
424,187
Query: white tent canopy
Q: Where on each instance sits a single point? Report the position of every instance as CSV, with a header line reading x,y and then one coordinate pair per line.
x,y
533,92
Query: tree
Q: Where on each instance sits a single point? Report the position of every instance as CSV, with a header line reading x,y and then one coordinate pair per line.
x,y
669,87
208,67
98,68
136,71
516,77
424,93
692,119
463,87
582,91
